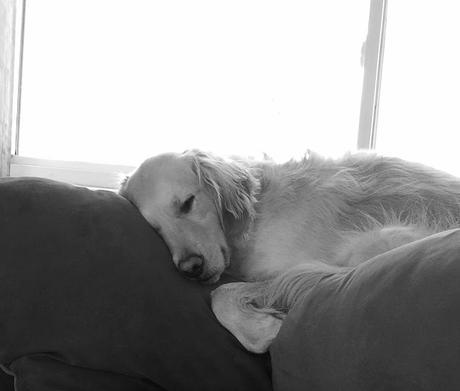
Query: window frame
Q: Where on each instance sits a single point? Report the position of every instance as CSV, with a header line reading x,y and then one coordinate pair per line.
x,y
107,175
373,50
8,39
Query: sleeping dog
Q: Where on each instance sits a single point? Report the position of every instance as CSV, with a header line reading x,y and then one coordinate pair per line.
x,y
257,219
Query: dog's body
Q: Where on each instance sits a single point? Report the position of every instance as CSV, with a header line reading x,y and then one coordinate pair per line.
x,y
257,220
341,212
268,217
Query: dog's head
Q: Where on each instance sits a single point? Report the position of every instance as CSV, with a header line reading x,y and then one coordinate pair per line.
x,y
197,203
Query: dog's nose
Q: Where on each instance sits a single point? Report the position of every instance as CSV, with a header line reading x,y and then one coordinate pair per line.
x,y
192,266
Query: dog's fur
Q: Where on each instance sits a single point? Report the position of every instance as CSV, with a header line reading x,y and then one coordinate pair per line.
x,y
257,220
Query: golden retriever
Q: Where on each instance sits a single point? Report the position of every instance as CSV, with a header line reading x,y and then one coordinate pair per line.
x,y
258,219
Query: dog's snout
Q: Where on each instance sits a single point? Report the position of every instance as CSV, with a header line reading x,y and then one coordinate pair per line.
x,y
192,266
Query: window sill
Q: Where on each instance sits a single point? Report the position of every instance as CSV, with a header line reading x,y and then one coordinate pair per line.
x,y
106,176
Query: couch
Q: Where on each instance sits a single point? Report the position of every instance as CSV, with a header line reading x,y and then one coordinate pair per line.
x,y
90,300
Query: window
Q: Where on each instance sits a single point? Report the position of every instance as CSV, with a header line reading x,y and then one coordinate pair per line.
x,y
420,102
110,84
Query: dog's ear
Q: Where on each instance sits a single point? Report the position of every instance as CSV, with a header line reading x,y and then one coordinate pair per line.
x,y
232,185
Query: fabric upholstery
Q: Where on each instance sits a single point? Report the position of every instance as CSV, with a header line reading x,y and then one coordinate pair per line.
x,y
91,300
392,323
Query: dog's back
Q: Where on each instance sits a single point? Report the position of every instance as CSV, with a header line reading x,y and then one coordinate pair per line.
x,y
319,209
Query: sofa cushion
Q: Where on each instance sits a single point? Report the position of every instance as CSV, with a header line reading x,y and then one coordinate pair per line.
x,y
392,323
86,283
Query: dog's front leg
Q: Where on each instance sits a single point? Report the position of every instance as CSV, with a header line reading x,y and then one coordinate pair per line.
x,y
254,311
242,309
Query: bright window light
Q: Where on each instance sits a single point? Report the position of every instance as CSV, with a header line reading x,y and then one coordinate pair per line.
x,y
111,81
419,112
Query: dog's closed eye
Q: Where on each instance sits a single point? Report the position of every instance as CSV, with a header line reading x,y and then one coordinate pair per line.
x,y
187,205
